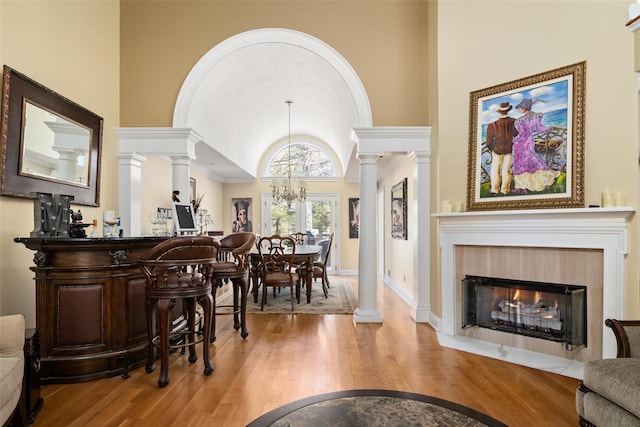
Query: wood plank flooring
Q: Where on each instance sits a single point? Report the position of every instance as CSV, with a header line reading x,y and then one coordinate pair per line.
x,y
289,357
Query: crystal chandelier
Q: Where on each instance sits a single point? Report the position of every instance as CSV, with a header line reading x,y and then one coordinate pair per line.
x,y
283,191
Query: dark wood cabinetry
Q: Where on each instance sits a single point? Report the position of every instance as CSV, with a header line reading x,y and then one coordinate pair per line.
x,y
31,382
89,306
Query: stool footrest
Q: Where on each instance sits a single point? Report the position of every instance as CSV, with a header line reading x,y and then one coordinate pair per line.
x,y
235,310
180,334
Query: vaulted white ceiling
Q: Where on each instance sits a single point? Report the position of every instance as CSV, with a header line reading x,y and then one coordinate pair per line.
x,y
234,98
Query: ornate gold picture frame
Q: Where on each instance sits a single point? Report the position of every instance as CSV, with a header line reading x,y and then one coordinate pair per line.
x,y
526,142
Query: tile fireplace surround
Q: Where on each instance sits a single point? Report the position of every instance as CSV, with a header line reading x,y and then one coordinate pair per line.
x,y
601,229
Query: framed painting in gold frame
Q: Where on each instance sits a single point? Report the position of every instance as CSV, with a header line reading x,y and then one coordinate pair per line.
x,y
526,142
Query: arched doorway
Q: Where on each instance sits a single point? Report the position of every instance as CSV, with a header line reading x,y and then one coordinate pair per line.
x,y
233,97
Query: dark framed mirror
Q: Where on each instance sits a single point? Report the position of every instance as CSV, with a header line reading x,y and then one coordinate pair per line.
x,y
50,144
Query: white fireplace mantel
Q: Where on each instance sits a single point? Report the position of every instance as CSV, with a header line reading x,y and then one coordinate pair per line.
x,y
588,228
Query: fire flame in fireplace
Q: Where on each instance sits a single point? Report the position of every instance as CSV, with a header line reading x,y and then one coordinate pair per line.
x,y
538,297
532,315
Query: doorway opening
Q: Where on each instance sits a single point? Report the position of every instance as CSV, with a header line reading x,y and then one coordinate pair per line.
x,y
318,217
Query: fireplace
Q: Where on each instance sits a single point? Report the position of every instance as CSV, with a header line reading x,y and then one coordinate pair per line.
x,y
549,311
566,246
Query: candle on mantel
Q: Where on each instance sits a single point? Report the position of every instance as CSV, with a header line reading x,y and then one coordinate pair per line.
x,y
607,199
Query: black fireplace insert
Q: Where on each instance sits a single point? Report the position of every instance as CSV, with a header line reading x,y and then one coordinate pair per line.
x,y
548,311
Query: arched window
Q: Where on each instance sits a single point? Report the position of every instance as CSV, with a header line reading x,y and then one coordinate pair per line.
x,y
306,160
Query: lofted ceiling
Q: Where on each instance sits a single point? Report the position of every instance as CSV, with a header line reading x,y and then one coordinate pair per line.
x,y
235,99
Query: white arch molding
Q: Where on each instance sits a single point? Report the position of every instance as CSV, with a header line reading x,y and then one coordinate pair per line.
x,y
332,98
271,35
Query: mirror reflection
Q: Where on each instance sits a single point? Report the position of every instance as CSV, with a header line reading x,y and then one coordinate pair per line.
x,y
54,148
48,143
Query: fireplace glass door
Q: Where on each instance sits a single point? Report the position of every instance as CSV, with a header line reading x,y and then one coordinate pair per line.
x,y
542,310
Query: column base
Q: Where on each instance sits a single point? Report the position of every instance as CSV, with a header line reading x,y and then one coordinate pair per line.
x,y
367,316
420,314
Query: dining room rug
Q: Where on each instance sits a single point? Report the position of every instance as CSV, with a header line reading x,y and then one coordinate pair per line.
x,y
373,408
342,300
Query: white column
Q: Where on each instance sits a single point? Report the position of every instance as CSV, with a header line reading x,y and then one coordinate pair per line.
x,y
373,142
367,310
181,173
67,160
420,207
70,141
130,192
176,143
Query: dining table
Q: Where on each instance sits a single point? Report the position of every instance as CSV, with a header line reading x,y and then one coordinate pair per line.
x,y
304,254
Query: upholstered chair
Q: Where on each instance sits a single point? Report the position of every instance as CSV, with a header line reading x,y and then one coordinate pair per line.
x,y
609,394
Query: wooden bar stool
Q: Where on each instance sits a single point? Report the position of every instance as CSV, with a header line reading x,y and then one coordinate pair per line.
x,y
233,264
178,269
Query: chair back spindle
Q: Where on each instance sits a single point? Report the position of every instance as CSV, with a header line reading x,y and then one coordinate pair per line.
x,y
300,238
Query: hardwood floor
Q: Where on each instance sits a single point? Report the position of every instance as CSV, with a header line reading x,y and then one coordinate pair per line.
x,y
289,357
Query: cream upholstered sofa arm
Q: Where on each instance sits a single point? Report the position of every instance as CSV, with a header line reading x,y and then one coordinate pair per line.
x,y
12,335
11,365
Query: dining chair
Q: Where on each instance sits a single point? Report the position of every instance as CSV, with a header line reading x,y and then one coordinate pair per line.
x,y
277,267
320,267
300,238
233,265
179,268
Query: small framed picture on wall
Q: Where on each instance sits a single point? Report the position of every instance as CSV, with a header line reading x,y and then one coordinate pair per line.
x,y
241,214
399,210
354,218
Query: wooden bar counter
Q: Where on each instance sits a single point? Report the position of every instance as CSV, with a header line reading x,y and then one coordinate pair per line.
x,y
89,306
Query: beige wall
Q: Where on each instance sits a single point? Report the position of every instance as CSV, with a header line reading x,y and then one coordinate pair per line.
x,y
433,46
398,253
485,43
636,38
163,40
72,48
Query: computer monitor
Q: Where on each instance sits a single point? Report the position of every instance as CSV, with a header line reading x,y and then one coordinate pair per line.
x,y
184,219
